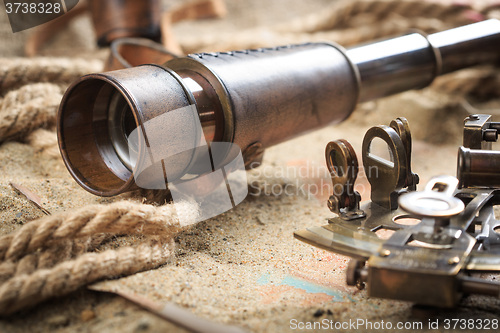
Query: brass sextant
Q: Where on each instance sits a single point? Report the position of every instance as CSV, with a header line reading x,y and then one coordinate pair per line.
x,y
440,236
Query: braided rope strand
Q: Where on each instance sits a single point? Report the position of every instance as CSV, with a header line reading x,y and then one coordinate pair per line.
x,y
32,106
343,14
27,290
123,217
49,257
17,72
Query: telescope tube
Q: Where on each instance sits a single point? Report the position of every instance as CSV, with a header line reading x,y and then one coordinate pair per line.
x,y
252,98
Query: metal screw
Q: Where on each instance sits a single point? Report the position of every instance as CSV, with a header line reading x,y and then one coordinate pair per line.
x,y
454,260
471,117
385,253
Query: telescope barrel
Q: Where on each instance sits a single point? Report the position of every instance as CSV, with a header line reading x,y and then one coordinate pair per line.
x,y
414,60
252,98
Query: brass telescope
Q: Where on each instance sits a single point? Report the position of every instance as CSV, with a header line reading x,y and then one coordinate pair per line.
x,y
252,98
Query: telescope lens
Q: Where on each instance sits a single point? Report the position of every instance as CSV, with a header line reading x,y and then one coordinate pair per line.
x,y
121,124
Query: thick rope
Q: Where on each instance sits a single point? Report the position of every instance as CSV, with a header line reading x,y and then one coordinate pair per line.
x,y
47,257
343,14
29,289
29,100
28,108
123,217
17,72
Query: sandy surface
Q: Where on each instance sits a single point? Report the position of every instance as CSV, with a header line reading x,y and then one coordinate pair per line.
x,y
244,267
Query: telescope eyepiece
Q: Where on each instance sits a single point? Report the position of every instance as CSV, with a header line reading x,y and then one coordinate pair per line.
x,y
98,114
